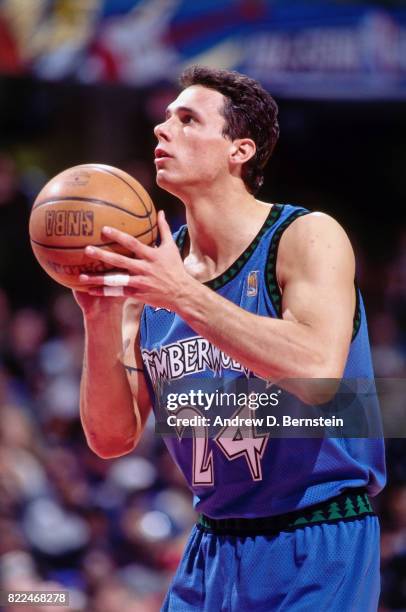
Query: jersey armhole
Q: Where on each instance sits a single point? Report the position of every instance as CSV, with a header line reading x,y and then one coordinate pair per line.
x,y
271,281
357,312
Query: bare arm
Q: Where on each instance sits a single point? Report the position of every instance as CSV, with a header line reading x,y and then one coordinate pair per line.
x,y
315,272
316,275
114,399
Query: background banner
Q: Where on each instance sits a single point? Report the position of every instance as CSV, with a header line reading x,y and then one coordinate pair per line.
x,y
317,50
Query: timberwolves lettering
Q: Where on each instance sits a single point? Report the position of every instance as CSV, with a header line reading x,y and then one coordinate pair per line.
x,y
173,361
192,355
69,222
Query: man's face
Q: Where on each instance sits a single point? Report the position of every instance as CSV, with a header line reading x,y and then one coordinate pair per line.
x,y
191,150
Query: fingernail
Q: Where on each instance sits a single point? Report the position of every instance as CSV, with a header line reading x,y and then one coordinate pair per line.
x,y
83,278
106,230
89,250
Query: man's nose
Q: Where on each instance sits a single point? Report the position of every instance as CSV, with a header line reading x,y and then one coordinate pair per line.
x,y
161,131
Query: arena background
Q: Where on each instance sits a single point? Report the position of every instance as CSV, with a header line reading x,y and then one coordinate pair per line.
x,y
86,81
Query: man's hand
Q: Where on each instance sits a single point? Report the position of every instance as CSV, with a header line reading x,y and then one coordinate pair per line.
x,y
156,276
91,303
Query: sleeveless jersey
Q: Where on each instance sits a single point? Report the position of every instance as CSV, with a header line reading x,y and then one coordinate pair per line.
x,y
260,476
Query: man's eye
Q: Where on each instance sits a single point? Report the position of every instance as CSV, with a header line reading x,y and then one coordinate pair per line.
x,y
186,118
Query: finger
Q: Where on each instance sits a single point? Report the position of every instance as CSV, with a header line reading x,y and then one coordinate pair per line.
x,y
115,260
112,291
111,279
131,243
116,280
164,229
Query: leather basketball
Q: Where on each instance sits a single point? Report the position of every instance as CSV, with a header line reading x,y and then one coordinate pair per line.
x,y
71,210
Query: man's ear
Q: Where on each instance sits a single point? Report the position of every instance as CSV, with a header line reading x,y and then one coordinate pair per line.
x,y
243,149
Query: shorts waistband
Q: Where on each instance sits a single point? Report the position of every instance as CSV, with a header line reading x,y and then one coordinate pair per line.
x,y
350,505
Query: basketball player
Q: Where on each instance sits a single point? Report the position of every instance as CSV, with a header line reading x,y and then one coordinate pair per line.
x,y
285,524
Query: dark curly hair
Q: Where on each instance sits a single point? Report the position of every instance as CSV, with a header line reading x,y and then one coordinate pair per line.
x,y
249,112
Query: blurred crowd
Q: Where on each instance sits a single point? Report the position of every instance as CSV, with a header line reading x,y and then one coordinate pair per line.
x,y
112,532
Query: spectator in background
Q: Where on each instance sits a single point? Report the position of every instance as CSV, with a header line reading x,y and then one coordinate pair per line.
x,y
40,438
387,353
65,515
393,554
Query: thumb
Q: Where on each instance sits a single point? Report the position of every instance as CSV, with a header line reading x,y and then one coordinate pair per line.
x,y
164,229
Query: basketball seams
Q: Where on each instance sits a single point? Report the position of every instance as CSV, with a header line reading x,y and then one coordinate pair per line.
x,y
98,202
78,248
121,179
149,212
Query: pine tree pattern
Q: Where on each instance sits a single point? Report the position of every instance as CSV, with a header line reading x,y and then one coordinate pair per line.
x,y
302,520
317,516
346,507
349,508
272,285
334,512
270,272
362,508
229,274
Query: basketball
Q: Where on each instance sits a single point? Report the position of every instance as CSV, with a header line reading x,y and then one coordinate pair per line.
x,y
71,210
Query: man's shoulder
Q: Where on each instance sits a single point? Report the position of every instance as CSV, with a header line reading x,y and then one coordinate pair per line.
x,y
314,239
312,225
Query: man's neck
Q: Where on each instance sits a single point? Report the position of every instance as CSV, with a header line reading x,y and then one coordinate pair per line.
x,y
219,230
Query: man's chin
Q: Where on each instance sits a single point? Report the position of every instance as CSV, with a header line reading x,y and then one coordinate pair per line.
x,y
164,181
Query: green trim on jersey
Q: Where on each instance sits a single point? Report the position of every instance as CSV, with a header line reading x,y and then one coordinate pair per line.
x,y
348,506
357,313
270,270
235,268
180,238
271,280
